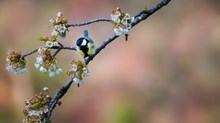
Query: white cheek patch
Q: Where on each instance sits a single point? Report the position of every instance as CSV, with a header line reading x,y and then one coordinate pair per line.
x,y
84,42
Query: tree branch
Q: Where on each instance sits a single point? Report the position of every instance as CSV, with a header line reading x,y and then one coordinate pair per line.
x,y
144,14
102,46
64,47
54,47
58,50
59,94
90,22
27,54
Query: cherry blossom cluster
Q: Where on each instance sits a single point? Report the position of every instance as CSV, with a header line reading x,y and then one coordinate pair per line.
x,y
49,41
36,106
46,63
121,21
14,63
78,71
59,24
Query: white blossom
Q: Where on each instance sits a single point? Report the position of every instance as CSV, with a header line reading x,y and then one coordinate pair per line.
x,y
127,16
36,106
78,81
59,70
59,23
15,63
122,22
86,72
59,14
51,21
17,70
120,31
47,96
117,32
46,110
51,43
62,37
128,26
61,28
55,33
35,113
43,69
52,74
37,65
132,19
39,59
52,69
55,43
74,67
57,20
115,15
25,121
115,18
41,50
45,88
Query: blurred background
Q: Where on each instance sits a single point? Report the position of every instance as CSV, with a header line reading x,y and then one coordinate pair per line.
x,y
168,71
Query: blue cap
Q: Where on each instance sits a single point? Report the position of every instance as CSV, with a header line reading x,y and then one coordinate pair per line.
x,y
86,33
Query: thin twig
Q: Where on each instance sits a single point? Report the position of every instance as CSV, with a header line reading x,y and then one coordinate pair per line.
x,y
27,54
64,47
58,50
138,18
90,22
54,47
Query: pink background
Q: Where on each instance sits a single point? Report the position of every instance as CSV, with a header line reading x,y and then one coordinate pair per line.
x,y
168,71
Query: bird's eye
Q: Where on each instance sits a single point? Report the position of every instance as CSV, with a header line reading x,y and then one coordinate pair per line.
x,y
84,42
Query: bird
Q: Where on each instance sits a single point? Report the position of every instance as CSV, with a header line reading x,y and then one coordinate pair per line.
x,y
85,45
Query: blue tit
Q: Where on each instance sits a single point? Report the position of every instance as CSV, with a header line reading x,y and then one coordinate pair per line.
x,y
85,45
